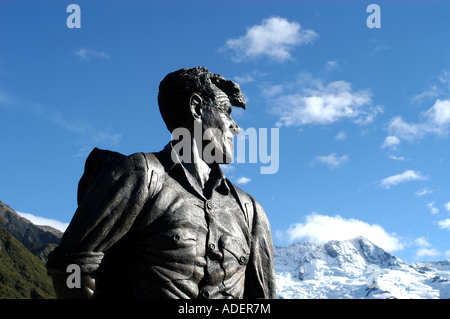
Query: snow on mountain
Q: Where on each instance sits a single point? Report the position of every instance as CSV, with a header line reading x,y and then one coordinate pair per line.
x,y
355,269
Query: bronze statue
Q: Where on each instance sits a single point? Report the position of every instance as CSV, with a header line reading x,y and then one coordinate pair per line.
x,y
169,224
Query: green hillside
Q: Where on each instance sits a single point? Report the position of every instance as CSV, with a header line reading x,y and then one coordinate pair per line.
x,y
22,274
40,240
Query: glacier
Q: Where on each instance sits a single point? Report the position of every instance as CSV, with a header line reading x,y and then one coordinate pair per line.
x,y
355,269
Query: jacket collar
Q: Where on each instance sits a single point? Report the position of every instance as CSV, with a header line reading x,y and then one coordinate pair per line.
x,y
175,168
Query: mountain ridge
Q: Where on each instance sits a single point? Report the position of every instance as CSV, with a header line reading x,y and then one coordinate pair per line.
x,y
24,248
40,240
351,269
355,269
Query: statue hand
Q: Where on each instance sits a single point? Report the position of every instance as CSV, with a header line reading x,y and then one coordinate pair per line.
x,y
86,291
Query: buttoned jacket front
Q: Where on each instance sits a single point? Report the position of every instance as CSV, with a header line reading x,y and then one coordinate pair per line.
x,y
146,229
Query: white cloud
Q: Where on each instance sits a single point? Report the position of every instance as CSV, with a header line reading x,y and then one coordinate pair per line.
x,y
274,37
435,120
43,221
432,92
424,191
325,105
427,252
444,224
391,142
447,206
407,131
331,65
444,78
88,54
91,134
341,136
227,168
96,136
246,78
439,113
438,88
422,242
433,209
381,47
243,180
397,158
332,160
321,228
425,249
406,176
272,90
107,137
249,77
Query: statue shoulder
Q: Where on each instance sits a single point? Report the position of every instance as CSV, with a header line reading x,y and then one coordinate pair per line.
x,y
147,164
97,162
101,162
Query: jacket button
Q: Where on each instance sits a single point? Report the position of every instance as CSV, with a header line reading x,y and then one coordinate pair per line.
x,y
242,260
212,246
208,205
176,237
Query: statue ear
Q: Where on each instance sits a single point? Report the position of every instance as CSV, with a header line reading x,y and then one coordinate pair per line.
x,y
195,104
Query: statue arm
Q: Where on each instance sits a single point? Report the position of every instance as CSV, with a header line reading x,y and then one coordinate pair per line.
x,y
105,215
260,275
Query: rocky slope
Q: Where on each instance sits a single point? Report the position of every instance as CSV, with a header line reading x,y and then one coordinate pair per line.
x,y
40,240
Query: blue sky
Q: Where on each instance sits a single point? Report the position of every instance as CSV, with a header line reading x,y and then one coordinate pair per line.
x,y
363,114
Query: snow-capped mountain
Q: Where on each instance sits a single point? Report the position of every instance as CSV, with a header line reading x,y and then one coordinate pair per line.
x,y
355,269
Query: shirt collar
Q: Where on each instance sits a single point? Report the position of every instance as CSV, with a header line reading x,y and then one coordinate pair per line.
x,y
173,166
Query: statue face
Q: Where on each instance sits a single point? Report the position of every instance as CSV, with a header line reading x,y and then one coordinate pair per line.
x,y
219,128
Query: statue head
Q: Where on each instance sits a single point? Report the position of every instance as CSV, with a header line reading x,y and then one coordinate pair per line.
x,y
197,96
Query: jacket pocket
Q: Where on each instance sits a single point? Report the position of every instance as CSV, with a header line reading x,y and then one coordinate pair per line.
x,y
236,248
236,257
171,254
